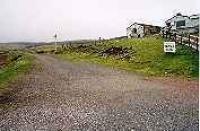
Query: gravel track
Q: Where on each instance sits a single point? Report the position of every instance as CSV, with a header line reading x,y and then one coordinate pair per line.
x,y
67,96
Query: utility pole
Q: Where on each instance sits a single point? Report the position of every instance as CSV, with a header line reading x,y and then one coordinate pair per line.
x,y
55,37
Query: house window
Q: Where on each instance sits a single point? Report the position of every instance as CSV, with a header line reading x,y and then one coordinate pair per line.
x,y
134,30
180,23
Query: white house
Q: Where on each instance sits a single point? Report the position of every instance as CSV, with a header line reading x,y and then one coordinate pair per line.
x,y
138,30
183,24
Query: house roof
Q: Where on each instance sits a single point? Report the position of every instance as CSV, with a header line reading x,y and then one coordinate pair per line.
x,y
192,16
142,24
176,16
195,16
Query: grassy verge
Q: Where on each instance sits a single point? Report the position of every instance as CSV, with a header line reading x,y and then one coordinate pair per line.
x,y
15,68
148,59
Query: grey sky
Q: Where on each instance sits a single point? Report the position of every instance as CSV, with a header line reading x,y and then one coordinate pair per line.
x,y
38,20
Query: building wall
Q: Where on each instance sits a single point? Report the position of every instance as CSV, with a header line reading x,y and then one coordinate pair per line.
x,y
187,20
128,31
191,25
139,31
174,21
150,30
195,22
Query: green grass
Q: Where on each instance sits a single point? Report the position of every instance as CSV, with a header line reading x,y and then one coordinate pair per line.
x,y
148,59
15,68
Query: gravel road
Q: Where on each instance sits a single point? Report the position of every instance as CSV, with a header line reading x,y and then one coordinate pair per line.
x,y
62,96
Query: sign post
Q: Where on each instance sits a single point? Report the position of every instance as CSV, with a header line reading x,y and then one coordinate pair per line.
x,y
169,47
55,36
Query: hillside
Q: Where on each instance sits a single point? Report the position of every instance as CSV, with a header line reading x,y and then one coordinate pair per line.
x,y
145,56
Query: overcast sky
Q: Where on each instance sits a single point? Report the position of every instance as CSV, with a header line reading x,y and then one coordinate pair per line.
x,y
39,20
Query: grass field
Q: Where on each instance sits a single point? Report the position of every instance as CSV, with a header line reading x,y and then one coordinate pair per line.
x,y
16,67
148,59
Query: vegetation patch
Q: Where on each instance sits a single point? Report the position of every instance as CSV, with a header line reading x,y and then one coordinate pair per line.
x,y
17,64
144,55
3,59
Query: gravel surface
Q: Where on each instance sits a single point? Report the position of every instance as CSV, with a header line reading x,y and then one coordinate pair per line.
x,y
64,96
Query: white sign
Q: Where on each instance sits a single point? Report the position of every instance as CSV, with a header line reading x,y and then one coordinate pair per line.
x,y
169,47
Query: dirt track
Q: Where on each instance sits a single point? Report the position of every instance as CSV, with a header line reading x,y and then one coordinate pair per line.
x,y
67,96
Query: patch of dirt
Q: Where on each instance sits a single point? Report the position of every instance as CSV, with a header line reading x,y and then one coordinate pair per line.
x,y
118,52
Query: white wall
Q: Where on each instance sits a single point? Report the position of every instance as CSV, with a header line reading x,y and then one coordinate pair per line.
x,y
188,22
140,31
195,22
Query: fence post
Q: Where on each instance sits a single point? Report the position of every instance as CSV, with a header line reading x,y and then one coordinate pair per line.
x,y
163,34
95,42
189,42
175,37
182,40
197,43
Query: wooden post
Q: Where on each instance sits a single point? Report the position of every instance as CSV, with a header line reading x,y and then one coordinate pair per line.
x,y
189,42
182,39
62,47
175,37
55,37
163,34
95,42
197,43
99,39
167,35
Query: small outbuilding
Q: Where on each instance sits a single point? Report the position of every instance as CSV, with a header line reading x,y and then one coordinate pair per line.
x,y
137,30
